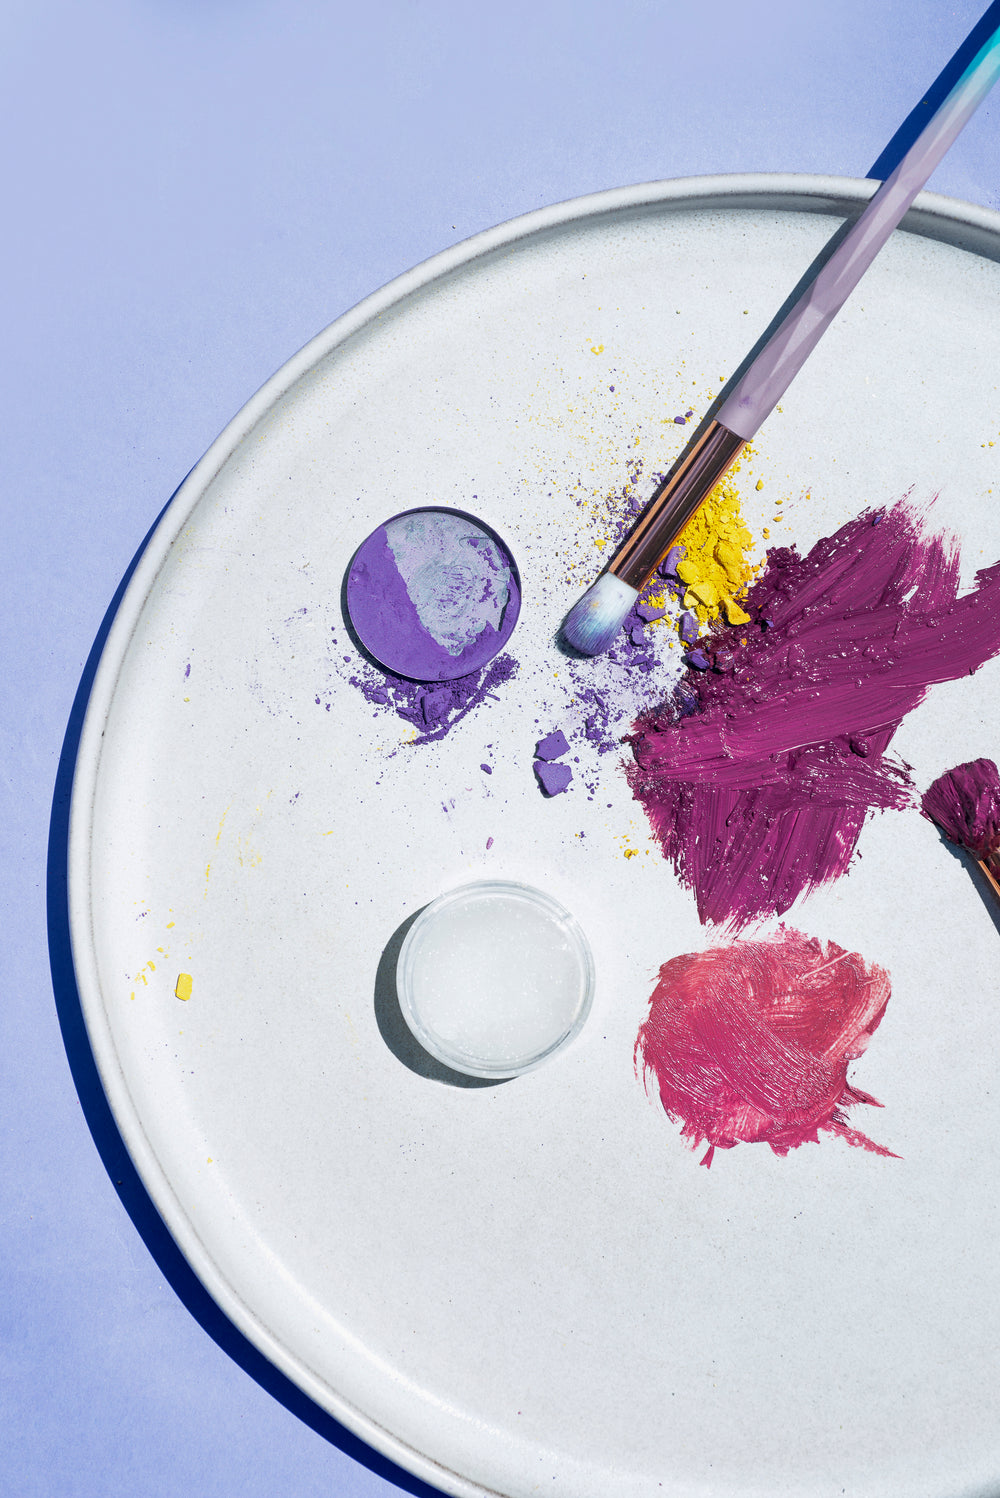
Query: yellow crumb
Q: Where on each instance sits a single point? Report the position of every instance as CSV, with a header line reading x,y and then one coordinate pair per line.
x,y
759,485
716,568
184,986
631,852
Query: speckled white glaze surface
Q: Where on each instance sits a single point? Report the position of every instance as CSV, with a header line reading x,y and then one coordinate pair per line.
x,y
533,1287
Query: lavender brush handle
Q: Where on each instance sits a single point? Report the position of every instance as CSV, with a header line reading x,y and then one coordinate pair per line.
x,y
790,345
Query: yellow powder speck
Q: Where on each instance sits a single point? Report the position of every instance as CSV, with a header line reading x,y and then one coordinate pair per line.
x,y
597,348
131,995
759,485
184,986
765,533
631,852
171,925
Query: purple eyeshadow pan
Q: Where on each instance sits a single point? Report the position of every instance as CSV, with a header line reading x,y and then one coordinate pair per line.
x,y
433,594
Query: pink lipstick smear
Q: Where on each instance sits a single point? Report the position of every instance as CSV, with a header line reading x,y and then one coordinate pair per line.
x,y
758,776
750,1043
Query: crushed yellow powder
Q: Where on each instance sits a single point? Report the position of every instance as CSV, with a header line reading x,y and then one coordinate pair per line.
x,y
716,567
184,986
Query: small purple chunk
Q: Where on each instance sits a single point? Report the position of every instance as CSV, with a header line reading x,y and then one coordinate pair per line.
x,y
486,769
649,612
552,778
680,421
433,705
689,627
698,659
668,567
553,747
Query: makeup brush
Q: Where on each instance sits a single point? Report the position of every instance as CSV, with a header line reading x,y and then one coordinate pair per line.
x,y
596,618
965,804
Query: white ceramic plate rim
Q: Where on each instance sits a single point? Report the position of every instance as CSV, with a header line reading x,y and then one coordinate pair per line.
x,y
934,216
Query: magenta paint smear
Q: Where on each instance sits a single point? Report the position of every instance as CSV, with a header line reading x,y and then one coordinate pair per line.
x,y
965,804
750,1044
758,775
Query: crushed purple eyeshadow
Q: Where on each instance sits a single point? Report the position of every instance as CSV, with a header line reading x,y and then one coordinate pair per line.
x,y
433,713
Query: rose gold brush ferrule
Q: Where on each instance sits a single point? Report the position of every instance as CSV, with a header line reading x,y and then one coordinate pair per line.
x,y
686,487
990,866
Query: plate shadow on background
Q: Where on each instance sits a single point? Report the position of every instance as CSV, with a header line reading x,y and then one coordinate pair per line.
x,y
397,1034
104,1131
936,94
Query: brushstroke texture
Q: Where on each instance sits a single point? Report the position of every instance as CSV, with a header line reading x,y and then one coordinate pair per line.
x,y
750,1043
758,776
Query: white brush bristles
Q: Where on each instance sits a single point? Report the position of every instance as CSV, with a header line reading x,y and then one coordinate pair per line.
x,y
595,619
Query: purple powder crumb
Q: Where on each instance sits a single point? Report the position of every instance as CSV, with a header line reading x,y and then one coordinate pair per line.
x,y
689,627
433,705
698,659
668,567
486,769
649,612
767,623
552,747
688,413
187,670
680,421
552,778
636,633
489,844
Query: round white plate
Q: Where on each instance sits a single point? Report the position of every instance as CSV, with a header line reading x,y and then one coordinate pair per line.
x,y
533,1287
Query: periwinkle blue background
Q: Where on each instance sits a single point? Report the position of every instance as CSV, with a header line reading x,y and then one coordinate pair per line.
x,y
190,192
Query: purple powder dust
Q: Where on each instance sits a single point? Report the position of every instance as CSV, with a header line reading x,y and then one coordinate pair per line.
x,y
434,711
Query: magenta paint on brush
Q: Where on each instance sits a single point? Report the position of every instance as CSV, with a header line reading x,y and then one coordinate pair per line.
x,y
758,776
965,804
433,595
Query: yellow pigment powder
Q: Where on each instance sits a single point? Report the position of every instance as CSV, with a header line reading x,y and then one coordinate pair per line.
x,y
716,569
